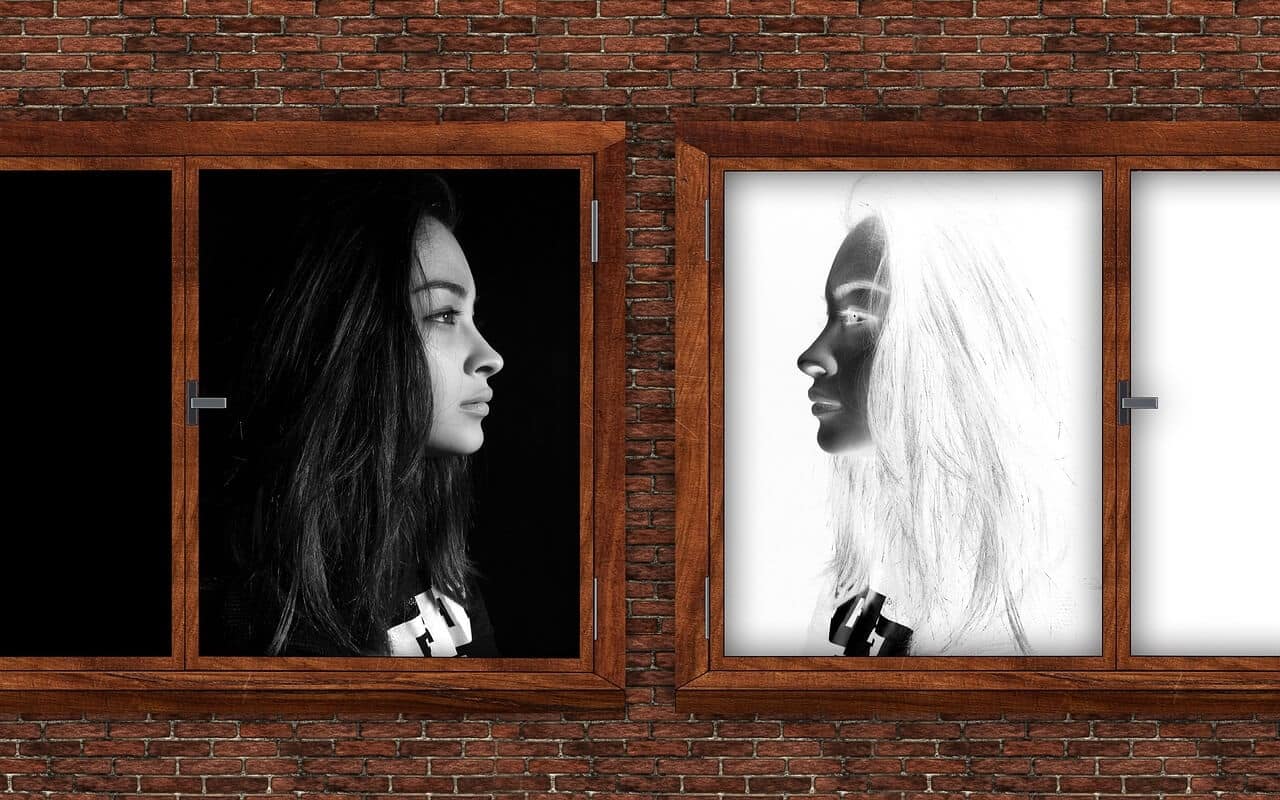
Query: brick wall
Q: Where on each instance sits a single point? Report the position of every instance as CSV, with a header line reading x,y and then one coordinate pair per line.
x,y
650,63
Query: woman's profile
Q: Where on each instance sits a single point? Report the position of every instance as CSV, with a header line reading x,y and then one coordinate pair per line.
x,y
364,396
931,389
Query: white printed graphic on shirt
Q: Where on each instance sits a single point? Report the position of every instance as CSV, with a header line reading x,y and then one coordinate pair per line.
x,y
441,627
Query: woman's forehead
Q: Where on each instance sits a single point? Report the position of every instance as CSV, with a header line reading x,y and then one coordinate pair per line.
x,y
858,260
439,257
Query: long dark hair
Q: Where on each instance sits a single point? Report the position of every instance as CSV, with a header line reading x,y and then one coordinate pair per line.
x,y
336,496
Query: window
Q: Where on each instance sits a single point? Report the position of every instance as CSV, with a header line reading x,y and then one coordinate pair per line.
x,y
904,480
340,406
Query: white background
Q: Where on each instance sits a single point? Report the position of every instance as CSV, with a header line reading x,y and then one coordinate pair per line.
x,y
782,230
1206,341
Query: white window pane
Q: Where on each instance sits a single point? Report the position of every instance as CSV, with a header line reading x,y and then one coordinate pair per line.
x,y
1205,533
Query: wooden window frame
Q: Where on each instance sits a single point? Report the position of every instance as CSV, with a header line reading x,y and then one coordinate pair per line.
x,y
708,681
187,681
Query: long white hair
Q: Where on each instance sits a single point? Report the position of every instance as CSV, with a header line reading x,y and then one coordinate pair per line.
x,y
952,492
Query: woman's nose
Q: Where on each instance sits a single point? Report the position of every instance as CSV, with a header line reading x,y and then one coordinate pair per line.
x,y
817,361
484,359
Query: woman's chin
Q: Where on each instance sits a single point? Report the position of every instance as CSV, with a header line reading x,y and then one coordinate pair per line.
x,y
840,443
456,445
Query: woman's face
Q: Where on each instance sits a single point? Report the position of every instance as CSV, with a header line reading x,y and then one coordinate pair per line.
x,y
458,357
839,360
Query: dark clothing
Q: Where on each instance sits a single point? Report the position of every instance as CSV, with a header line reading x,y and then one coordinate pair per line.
x,y
240,631
859,628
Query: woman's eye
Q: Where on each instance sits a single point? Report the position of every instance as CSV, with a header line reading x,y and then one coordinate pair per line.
x,y
851,317
448,316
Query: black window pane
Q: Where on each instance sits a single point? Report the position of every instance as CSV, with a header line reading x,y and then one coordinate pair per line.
x,y
87,349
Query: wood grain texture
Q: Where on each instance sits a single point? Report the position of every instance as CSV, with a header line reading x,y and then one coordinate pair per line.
x,y
187,628
588,344
428,161
1110,426
551,698
980,139
715,406
692,412
306,692
177,399
1123,569
1126,166
364,665
959,163
301,678
178,412
609,406
1105,167
826,703
584,164
302,138
963,679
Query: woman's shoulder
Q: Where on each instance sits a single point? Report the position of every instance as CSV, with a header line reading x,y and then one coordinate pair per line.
x,y
439,622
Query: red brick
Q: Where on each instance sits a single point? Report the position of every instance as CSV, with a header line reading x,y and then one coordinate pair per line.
x,y
52,97
1190,766
1208,7
978,27
1071,8
1090,785
152,7
106,783
1150,785
1206,43
83,8
145,766
1247,730
1128,7
31,79
650,63
82,766
24,783
55,27
1170,61
29,8
1148,79
1008,8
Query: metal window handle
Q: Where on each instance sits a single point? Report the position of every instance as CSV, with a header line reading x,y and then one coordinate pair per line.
x,y
1140,402
195,403
1128,402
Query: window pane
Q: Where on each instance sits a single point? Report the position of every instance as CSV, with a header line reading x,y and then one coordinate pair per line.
x,y
1206,540
87,358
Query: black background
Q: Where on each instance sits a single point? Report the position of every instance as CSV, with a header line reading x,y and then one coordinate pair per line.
x,y
87,329
520,233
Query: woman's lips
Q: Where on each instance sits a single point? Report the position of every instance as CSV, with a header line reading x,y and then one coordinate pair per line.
x,y
477,405
823,404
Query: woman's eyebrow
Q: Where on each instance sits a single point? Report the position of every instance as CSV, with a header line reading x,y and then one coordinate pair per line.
x,y
456,288
845,289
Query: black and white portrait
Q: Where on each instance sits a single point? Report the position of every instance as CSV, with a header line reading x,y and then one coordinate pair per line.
x,y
912,413
397,469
